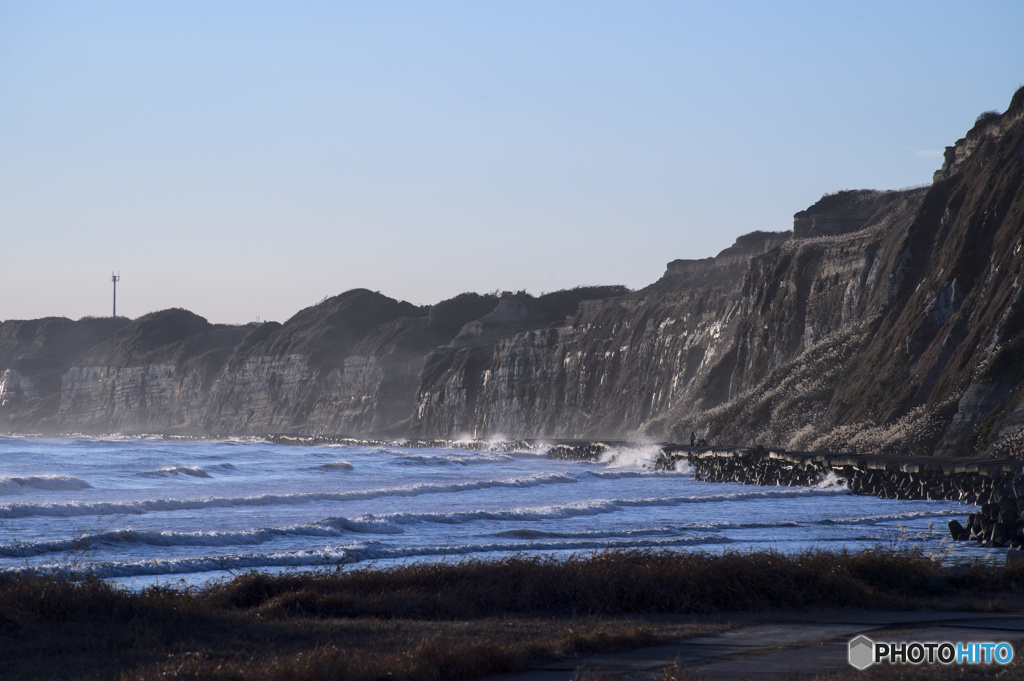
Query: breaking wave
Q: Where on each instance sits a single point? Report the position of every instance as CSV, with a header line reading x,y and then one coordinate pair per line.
x,y
831,481
336,466
172,471
140,507
420,460
362,552
630,457
396,523
50,483
151,505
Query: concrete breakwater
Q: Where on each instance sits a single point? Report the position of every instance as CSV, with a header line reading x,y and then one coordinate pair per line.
x,y
996,485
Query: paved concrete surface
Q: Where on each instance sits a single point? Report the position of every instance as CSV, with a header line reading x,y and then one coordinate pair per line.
x,y
811,644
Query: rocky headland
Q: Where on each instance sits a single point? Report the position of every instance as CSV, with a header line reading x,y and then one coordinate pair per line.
x,y
884,322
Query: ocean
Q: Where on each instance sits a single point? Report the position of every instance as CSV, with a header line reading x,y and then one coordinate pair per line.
x,y
142,511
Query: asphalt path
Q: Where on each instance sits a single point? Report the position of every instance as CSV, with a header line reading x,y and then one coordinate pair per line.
x,y
804,644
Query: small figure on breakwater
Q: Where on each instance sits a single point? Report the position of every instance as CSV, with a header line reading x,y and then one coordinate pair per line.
x,y
693,439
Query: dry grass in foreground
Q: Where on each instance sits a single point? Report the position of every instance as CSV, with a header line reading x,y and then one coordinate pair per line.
x,y
452,621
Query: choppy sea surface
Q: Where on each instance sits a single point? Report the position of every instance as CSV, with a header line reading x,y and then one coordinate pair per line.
x,y
141,511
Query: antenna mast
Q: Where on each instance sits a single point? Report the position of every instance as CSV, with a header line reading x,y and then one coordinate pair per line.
x,y
115,278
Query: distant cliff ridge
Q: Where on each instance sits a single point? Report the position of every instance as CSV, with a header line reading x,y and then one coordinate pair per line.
x,y
884,321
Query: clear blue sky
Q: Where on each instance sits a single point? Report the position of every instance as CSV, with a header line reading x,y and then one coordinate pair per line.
x,y
247,159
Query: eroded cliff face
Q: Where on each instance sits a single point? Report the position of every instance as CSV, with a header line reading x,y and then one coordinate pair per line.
x,y
918,348
149,376
651,363
601,372
890,321
885,321
349,365
34,356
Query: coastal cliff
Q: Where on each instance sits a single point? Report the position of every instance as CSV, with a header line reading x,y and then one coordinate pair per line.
x,y
885,321
916,343
349,364
889,321
601,372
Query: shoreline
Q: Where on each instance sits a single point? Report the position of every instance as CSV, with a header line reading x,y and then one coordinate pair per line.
x,y
996,485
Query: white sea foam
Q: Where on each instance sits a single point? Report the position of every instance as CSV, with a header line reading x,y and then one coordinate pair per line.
x,y
682,466
831,480
631,457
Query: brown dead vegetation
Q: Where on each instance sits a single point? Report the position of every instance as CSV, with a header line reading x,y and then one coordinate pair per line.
x,y
430,621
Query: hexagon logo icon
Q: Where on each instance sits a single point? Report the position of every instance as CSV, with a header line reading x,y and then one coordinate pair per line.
x,y
862,652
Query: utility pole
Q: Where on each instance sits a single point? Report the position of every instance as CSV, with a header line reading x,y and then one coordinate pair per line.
x,y
115,278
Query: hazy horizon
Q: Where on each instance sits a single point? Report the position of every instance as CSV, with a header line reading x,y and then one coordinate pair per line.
x,y
247,160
